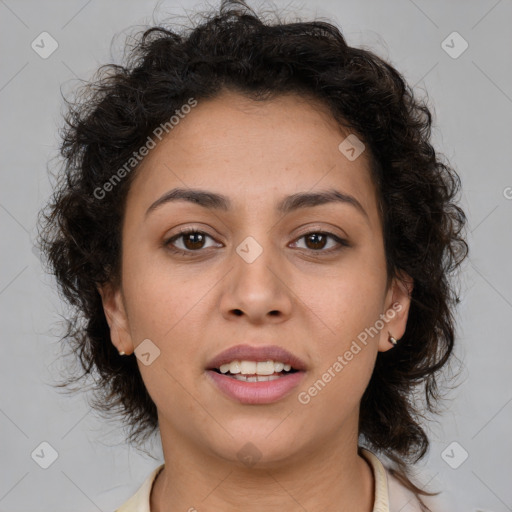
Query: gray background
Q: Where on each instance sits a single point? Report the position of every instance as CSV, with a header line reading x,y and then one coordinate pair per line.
x,y
472,101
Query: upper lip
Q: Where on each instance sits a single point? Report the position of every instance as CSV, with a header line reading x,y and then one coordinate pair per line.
x,y
252,353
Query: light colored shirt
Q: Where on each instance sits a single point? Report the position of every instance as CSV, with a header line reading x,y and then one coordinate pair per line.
x,y
390,494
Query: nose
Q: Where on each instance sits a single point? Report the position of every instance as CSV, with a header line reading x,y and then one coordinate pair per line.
x,y
257,290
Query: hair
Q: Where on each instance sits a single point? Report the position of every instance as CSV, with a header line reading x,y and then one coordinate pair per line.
x,y
234,49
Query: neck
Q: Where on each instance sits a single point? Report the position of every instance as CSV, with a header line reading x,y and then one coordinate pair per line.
x,y
328,477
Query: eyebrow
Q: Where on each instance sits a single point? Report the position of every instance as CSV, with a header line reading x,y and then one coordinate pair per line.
x,y
214,201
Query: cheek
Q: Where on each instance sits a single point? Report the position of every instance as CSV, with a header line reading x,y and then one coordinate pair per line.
x,y
346,300
347,305
343,352
160,299
168,309
333,394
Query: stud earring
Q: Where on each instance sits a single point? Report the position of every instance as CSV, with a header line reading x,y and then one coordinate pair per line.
x,y
121,353
392,340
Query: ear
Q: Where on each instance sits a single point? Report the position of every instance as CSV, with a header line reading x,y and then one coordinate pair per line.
x,y
115,313
397,304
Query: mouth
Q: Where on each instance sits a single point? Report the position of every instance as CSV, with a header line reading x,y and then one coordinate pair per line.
x,y
255,371
256,375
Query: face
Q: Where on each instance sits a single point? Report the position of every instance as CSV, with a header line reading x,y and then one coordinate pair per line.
x,y
261,268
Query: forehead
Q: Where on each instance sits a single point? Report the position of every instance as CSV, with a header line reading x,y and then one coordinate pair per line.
x,y
255,152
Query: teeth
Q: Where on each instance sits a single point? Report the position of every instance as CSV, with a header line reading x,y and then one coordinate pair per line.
x,y
256,378
265,368
261,368
248,367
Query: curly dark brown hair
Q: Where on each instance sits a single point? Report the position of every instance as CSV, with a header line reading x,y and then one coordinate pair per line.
x,y
236,49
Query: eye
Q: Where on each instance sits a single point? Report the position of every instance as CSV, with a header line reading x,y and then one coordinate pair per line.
x,y
192,240
317,240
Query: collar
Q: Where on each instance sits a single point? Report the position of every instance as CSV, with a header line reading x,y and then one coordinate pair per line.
x,y
139,502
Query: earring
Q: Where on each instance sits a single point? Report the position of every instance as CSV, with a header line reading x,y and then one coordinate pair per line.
x,y
392,340
121,353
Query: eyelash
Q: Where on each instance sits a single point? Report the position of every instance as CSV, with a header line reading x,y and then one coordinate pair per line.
x,y
168,243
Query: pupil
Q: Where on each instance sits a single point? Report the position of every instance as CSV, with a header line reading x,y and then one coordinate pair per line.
x,y
316,243
190,236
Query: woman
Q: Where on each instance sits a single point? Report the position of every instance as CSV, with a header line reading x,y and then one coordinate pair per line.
x,y
257,237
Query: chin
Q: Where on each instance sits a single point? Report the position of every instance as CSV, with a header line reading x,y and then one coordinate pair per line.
x,y
259,448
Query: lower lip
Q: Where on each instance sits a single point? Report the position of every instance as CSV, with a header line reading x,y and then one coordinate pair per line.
x,y
256,392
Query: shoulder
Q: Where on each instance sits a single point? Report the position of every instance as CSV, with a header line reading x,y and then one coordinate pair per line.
x,y
401,498
390,494
140,502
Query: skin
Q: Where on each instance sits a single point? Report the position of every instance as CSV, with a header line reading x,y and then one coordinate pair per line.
x,y
307,298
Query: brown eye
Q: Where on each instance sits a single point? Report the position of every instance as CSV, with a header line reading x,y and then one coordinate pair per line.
x,y
318,240
188,241
193,241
